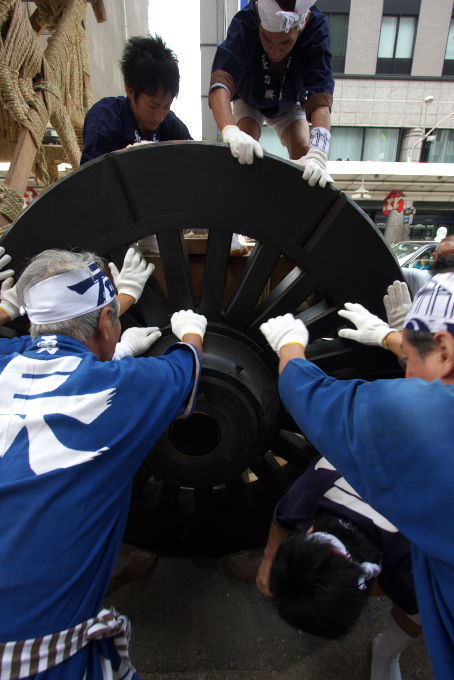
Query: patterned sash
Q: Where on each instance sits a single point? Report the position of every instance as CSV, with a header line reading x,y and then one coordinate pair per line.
x,y
23,658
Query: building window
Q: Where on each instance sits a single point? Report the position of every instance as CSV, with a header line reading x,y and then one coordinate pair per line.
x,y
397,39
448,66
364,144
338,28
442,149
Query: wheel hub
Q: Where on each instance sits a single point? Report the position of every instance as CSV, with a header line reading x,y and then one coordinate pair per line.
x,y
235,414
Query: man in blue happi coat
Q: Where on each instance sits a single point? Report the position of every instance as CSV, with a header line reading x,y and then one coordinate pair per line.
x,y
71,439
275,66
392,440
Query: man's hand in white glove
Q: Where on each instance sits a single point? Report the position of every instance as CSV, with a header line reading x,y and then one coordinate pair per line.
x,y
314,164
186,321
397,304
370,329
242,145
4,260
284,330
9,302
134,274
135,341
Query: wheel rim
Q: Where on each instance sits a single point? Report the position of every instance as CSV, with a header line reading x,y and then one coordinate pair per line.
x,y
338,256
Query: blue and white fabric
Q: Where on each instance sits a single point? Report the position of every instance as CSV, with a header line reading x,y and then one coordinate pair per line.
x,y
73,432
392,441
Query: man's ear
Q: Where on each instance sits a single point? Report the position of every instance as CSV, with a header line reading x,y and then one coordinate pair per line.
x,y
105,323
129,92
445,345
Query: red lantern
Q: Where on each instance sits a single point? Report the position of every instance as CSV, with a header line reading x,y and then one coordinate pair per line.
x,y
394,201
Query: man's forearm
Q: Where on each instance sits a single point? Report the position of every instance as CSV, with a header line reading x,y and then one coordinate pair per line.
x,y
194,339
321,117
219,99
292,351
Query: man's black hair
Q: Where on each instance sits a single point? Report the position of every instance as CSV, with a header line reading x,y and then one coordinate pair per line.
x,y
317,588
148,64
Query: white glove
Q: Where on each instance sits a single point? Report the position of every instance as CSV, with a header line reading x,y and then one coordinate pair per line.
x,y
370,329
397,304
134,274
186,321
242,145
135,341
4,260
9,301
284,330
314,164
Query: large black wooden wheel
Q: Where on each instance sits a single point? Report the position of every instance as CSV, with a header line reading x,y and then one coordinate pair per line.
x,y
210,484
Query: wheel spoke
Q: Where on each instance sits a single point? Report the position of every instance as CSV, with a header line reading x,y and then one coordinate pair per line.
x,y
176,269
216,263
294,448
321,319
285,297
268,470
335,357
252,282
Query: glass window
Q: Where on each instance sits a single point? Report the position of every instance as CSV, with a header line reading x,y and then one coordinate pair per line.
x,y
387,37
364,144
395,50
450,44
404,45
346,144
338,27
442,149
380,144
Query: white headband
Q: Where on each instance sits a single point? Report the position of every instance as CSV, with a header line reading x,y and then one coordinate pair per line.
x,y
68,295
275,20
369,569
433,307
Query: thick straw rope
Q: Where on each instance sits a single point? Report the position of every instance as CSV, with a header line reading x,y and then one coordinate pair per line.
x,y
39,86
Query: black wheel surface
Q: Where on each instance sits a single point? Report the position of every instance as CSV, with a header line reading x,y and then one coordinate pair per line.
x,y
210,484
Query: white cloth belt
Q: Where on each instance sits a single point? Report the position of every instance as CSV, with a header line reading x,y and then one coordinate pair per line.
x,y
23,658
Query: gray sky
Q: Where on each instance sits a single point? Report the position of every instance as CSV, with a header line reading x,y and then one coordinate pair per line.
x,y
178,23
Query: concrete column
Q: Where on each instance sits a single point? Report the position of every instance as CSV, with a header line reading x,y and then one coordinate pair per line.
x,y
396,230
431,38
363,36
410,136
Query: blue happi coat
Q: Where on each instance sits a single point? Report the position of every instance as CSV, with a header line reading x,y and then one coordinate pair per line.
x,y
73,432
392,440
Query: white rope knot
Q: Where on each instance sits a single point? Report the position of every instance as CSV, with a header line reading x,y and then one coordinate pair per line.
x,y
369,570
288,20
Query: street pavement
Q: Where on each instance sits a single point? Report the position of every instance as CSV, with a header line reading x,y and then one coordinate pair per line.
x,y
191,621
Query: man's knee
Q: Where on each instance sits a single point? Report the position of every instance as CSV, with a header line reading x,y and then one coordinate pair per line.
x,y
250,127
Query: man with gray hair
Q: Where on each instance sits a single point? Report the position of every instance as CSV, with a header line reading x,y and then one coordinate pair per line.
x,y
75,428
392,440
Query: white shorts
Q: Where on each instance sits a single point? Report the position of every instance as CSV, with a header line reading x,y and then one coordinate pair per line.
x,y
280,123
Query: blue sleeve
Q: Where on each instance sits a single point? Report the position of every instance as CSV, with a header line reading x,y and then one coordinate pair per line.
x,y
316,53
233,56
102,132
299,505
11,345
377,437
178,130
